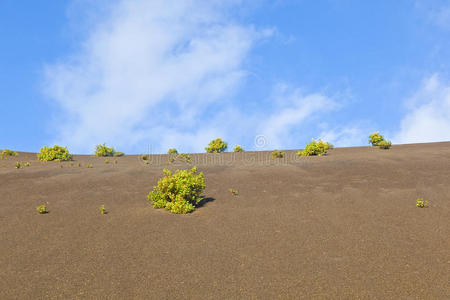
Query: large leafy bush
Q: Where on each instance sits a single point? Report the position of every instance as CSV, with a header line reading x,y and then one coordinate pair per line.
x,y
178,192
56,152
103,150
318,148
216,146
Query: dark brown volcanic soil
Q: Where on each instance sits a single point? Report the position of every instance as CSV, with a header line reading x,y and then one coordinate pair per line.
x,y
344,226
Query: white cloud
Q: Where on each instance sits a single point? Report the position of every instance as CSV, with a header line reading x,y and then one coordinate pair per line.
x,y
347,136
161,74
428,117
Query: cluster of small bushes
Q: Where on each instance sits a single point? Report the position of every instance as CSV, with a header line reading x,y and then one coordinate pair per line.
x,y
4,154
55,153
376,139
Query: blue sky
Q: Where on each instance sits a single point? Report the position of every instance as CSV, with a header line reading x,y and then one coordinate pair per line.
x,y
162,74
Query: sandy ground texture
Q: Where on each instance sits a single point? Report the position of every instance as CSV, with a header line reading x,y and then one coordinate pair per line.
x,y
342,226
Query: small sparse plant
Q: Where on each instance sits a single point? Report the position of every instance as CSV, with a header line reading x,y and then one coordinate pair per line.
x,y
7,152
115,161
89,166
184,157
56,153
145,156
106,160
102,209
384,144
277,154
146,162
178,192
118,154
27,164
103,150
42,209
171,160
318,148
79,164
71,163
375,138
238,148
172,151
18,165
216,146
234,192
420,202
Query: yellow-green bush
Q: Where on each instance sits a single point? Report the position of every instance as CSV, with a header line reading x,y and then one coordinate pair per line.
x,y
172,151
118,154
277,154
420,202
184,157
375,138
103,150
216,146
238,148
384,144
5,153
56,153
42,209
318,148
178,192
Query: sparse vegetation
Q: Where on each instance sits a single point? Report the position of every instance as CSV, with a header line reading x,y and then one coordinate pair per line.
x,y
42,209
79,164
102,209
376,139
172,151
89,166
118,154
234,192
171,160
178,192
71,163
216,146
146,162
27,164
4,154
106,160
277,154
103,150
318,148
18,165
115,161
420,202
184,157
238,148
145,156
55,153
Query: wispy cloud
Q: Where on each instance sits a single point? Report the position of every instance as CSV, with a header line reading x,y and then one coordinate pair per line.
x,y
165,74
428,117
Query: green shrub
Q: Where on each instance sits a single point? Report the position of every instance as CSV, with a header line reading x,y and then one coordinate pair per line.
x,y
89,166
103,150
79,164
18,165
172,151
238,148
42,209
375,138
27,164
234,192
421,203
71,163
118,154
184,157
102,209
384,144
216,146
146,162
5,153
178,192
145,156
106,160
56,153
277,154
318,148
115,161
171,160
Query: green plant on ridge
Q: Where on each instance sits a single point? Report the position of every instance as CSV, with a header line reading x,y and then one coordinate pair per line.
x,y
277,154
238,148
7,152
375,138
216,146
184,157
118,154
384,144
102,209
318,148
172,151
56,153
103,150
178,192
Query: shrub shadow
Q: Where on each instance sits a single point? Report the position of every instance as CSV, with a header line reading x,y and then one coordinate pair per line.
x,y
204,201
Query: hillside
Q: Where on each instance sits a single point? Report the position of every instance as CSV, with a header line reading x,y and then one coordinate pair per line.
x,y
343,226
